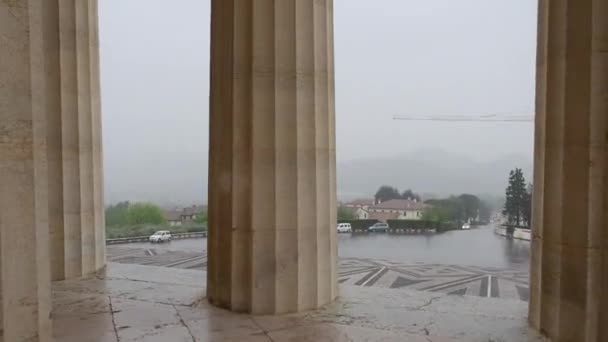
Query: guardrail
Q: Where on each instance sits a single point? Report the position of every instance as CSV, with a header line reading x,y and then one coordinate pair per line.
x,y
177,236
516,233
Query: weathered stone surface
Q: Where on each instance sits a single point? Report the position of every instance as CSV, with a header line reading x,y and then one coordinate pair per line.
x,y
51,206
76,209
24,95
272,178
113,311
569,266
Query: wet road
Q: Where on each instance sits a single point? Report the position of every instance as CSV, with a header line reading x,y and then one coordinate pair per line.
x,y
476,247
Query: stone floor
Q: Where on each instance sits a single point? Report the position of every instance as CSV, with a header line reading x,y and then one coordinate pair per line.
x,y
451,279
150,303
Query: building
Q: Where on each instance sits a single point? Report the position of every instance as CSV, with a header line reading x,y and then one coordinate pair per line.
x,y
359,207
173,217
362,203
187,215
361,213
396,209
275,154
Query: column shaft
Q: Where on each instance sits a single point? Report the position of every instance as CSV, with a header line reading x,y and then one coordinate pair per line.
x,y
570,241
26,97
272,187
77,231
51,202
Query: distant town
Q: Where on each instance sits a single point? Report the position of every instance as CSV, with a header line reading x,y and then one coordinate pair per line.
x,y
388,210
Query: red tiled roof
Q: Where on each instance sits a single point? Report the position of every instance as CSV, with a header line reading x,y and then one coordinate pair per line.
x,y
193,210
400,204
360,202
383,217
172,215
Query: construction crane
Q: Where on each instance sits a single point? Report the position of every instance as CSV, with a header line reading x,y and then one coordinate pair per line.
x,y
467,118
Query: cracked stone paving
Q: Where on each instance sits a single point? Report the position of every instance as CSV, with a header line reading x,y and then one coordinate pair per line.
x,y
150,303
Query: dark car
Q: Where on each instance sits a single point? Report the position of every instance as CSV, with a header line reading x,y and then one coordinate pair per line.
x,y
378,227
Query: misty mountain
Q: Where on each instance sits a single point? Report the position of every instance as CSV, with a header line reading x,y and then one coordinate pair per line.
x,y
429,172
177,181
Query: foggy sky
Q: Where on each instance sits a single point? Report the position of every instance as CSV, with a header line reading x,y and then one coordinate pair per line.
x,y
393,57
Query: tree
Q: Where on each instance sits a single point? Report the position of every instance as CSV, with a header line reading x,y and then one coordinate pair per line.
x,y
451,208
346,214
527,206
409,194
386,193
515,197
116,215
145,213
485,211
201,217
471,205
436,214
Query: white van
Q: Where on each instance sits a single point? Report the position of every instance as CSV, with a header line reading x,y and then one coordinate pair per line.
x,y
344,228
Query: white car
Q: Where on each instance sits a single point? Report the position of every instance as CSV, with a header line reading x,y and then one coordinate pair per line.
x,y
466,226
344,228
161,236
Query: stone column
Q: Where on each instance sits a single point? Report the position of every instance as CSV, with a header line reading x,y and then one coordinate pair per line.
x,y
272,181
76,215
51,207
26,98
569,268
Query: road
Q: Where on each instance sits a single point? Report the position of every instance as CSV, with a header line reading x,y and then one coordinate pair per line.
x,y
478,247
472,262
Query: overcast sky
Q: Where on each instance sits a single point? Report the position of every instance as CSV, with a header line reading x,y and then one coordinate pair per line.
x,y
393,57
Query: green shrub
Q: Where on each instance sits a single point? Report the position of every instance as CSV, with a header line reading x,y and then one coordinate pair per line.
x,y
346,214
411,224
447,226
144,213
201,217
196,229
116,214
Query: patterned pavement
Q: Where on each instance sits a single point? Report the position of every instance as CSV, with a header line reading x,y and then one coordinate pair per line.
x,y
451,279
157,257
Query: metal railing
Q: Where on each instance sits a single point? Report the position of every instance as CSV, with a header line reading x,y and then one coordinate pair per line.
x,y
178,236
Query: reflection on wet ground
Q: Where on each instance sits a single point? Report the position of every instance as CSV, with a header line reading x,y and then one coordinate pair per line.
x,y
475,262
476,247
130,303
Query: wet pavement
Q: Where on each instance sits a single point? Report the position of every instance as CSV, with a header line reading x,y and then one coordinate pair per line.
x,y
478,247
474,263
150,303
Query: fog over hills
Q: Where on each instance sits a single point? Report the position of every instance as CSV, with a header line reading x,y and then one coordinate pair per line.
x,y
427,171
155,92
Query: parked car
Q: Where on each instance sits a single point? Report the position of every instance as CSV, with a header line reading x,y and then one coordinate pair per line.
x,y
160,236
466,226
378,227
344,228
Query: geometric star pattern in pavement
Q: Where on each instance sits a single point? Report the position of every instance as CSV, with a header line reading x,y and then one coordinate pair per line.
x,y
450,279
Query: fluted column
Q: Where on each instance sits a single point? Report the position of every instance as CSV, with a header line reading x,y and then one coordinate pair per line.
x,y
272,185
569,268
75,158
51,202
26,95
